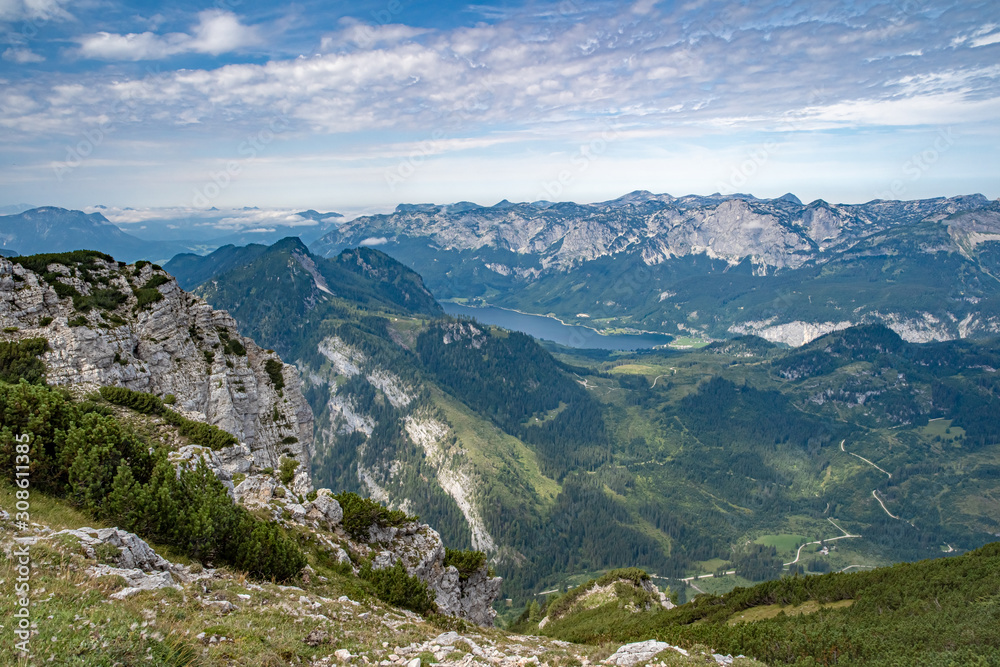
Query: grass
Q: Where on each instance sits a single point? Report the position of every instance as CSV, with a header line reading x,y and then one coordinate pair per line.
x,y
770,611
783,543
941,428
489,447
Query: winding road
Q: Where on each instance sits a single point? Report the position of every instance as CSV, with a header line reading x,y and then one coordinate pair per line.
x,y
864,459
875,491
798,554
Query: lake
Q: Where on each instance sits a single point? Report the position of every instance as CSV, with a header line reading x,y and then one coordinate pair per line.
x,y
548,328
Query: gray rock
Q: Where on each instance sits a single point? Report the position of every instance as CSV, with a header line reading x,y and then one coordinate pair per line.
x,y
633,654
134,552
137,580
255,491
221,606
325,509
298,512
164,349
420,549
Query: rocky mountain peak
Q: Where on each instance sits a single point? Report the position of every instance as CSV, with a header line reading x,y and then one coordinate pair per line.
x,y
112,324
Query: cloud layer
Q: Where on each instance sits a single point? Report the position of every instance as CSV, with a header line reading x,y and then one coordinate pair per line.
x,y
538,79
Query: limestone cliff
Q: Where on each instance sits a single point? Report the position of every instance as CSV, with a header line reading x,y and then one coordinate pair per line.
x,y
108,323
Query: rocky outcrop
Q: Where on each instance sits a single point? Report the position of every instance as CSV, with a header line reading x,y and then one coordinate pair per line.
x,y
135,561
172,343
794,334
419,548
134,553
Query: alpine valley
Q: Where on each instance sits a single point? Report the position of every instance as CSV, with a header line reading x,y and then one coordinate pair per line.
x,y
230,452
742,457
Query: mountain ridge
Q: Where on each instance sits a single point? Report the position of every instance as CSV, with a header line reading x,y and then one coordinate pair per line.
x,y
675,265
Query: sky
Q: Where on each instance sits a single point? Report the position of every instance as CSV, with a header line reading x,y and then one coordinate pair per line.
x,y
358,106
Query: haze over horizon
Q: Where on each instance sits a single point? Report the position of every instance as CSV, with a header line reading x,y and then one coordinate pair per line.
x,y
358,107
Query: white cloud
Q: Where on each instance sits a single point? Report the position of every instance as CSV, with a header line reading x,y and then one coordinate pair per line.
x,y
381,240
986,39
22,56
216,32
365,36
34,10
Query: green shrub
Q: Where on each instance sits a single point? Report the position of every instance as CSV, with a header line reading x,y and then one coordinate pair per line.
x,y
139,401
95,463
273,368
146,297
45,321
467,562
286,471
234,346
11,329
19,359
40,263
155,281
360,514
564,603
169,399
106,299
395,586
199,433
138,266
78,321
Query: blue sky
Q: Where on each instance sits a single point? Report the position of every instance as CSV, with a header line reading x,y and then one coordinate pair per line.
x,y
358,106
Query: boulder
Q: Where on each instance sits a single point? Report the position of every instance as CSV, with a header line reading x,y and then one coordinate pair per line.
x,y
639,652
134,553
255,491
420,549
325,509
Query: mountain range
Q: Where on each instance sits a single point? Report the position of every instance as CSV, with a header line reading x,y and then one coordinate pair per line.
x,y
28,230
709,267
52,229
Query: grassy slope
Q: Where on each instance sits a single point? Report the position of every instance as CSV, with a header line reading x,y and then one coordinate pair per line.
x,y
935,612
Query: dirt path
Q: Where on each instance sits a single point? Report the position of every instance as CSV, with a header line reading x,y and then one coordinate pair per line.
x,y
798,554
889,474
874,491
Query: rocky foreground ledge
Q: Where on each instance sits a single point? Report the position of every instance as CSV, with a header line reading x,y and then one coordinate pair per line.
x,y
105,593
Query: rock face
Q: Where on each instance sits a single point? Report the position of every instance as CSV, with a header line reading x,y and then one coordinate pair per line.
x,y
172,344
772,233
419,548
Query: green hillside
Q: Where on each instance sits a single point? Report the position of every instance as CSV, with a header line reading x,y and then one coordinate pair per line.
x,y
857,450
933,612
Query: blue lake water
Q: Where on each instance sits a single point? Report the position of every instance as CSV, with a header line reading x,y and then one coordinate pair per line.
x,y
547,328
